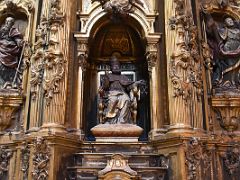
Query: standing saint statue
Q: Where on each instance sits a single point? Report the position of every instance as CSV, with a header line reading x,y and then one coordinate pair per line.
x,y
225,43
118,96
11,42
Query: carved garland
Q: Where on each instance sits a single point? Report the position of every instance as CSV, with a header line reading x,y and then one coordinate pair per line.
x,y
5,156
41,158
48,56
185,69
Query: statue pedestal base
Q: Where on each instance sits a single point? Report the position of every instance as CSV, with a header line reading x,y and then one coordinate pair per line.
x,y
116,132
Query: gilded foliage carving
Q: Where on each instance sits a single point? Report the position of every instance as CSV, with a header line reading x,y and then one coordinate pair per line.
x,y
49,66
185,69
5,156
41,158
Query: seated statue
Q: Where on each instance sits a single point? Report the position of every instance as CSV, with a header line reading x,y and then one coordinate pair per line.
x,y
11,42
118,97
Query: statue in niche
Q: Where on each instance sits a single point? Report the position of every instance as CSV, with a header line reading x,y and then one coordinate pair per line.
x,y
118,97
224,41
11,43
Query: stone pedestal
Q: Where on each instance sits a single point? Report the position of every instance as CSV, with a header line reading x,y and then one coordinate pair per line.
x,y
117,132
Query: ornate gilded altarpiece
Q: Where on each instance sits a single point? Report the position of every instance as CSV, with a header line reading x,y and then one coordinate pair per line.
x,y
183,54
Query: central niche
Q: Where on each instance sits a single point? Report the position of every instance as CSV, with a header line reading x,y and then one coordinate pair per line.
x,y
125,41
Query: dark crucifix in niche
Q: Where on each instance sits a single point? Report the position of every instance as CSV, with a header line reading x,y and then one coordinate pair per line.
x,y
11,45
224,40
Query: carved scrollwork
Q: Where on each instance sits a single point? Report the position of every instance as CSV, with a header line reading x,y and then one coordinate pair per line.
x,y
5,156
41,158
193,156
25,156
185,69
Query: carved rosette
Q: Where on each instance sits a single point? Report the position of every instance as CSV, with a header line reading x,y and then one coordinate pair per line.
x,y
41,158
193,155
185,69
227,112
5,156
25,156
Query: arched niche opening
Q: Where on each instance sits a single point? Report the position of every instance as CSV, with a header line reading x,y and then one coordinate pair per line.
x,y
123,38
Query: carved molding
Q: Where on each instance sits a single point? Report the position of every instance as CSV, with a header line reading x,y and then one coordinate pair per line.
x,y
193,155
5,156
185,69
25,156
41,158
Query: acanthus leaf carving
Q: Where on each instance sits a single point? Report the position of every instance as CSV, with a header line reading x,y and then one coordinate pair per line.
x,y
41,158
5,156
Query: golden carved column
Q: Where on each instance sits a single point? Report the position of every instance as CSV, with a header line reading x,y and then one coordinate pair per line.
x,y
36,67
184,68
56,60
82,49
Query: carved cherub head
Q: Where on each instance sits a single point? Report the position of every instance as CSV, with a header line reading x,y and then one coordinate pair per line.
x,y
229,22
